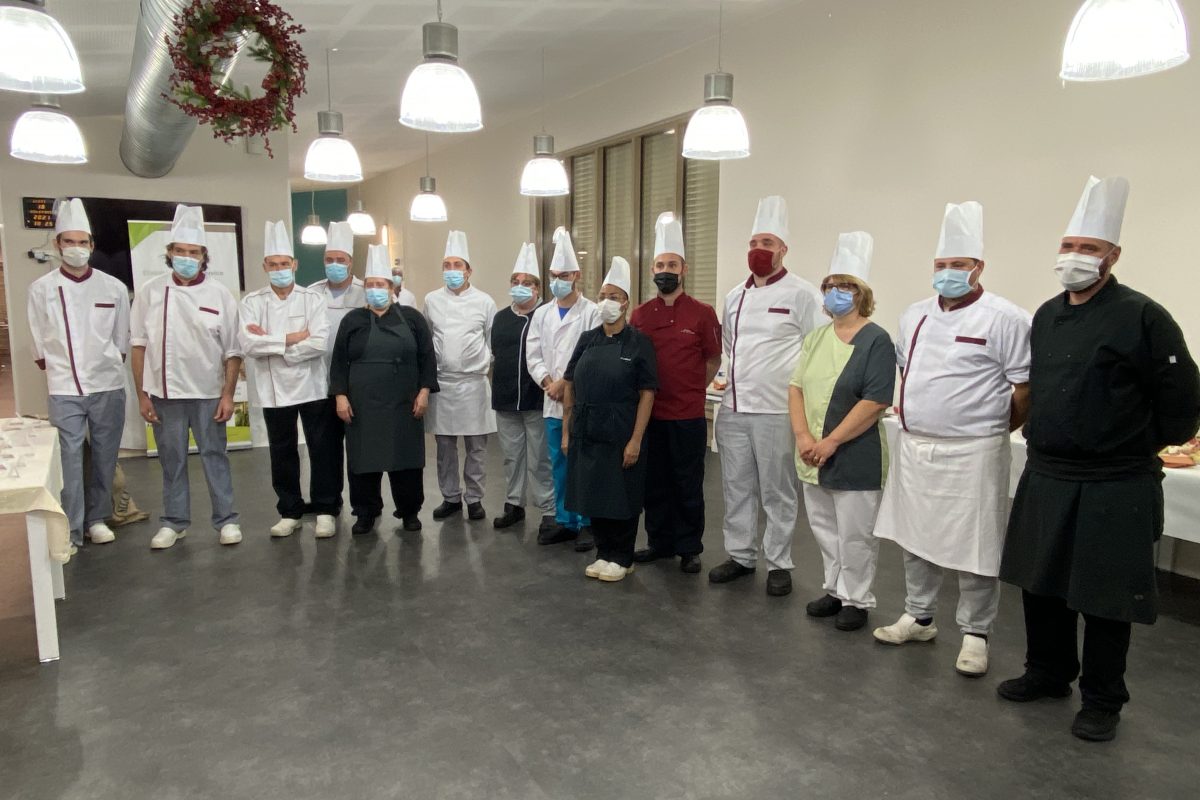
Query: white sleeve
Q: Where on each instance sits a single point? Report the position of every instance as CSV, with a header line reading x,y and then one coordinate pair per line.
x,y
901,343
727,329
252,345
35,308
318,335
120,332
138,335
229,333
1016,327
534,360
815,318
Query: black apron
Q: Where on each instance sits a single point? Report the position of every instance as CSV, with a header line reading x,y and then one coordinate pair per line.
x,y
384,436
602,423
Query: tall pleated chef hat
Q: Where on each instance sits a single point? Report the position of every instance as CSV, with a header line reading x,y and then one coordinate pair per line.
x,y
618,274
772,218
527,261
668,235
72,217
962,231
188,227
276,241
852,256
341,238
564,259
1101,210
378,263
456,246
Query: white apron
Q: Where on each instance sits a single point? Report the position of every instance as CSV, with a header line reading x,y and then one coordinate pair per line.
x,y
463,407
946,500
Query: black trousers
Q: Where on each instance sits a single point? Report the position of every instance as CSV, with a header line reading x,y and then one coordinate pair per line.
x,y
1052,651
408,492
675,451
324,432
615,539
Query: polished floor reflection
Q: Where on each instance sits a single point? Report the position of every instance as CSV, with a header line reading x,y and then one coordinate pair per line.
x,y
463,662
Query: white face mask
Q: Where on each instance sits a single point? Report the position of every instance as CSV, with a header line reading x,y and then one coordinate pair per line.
x,y
610,311
1076,272
76,256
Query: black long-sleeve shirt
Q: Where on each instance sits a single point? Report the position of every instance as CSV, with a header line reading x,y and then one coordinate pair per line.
x,y
352,338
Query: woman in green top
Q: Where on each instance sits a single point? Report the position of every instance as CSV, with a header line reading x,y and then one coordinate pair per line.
x,y
843,382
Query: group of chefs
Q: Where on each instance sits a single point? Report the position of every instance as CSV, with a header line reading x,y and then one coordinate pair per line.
x,y
600,413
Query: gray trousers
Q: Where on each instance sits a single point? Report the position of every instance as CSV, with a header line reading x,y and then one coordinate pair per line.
x,y
100,417
978,595
175,417
473,474
526,460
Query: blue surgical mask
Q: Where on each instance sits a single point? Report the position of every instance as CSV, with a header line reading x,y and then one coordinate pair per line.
x,y
397,280
953,283
520,294
560,288
839,302
454,278
282,278
186,268
378,298
336,273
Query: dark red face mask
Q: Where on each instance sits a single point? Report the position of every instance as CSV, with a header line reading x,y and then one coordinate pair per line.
x,y
762,262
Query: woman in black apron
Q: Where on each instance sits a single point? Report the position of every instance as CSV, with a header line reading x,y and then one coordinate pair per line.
x,y
611,379
382,373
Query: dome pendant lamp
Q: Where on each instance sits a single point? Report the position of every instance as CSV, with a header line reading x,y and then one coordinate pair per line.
x,y
1114,39
331,158
439,96
717,131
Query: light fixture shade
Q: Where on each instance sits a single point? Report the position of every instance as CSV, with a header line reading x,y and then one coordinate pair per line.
x,y
48,137
361,223
440,97
716,132
332,159
36,54
428,208
544,176
1113,39
314,231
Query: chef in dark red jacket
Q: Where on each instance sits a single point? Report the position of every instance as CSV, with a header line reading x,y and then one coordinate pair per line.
x,y
687,344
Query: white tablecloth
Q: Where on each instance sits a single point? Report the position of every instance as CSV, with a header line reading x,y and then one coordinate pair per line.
x,y
37,486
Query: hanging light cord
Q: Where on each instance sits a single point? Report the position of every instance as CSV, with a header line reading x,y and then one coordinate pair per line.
x,y
328,81
439,5
543,90
720,30
312,202
427,155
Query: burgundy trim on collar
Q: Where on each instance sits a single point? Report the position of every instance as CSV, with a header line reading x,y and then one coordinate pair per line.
x,y
778,276
71,277
199,279
971,298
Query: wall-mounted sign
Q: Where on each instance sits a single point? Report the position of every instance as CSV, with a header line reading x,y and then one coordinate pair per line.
x,y
39,212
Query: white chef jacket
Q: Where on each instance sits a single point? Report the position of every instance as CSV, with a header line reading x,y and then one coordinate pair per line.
x,y
280,375
763,329
551,342
337,307
189,332
405,298
461,325
80,329
958,367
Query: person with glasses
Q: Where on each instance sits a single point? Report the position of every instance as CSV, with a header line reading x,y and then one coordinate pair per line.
x,y
843,383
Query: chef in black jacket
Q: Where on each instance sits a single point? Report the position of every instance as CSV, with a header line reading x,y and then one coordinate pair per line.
x,y
1111,384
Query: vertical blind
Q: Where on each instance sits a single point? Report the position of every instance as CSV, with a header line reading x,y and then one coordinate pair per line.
x,y
700,190
660,171
584,226
619,201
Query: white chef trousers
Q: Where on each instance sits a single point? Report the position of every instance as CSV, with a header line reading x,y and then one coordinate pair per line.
x,y
758,464
843,524
101,418
526,460
978,595
474,473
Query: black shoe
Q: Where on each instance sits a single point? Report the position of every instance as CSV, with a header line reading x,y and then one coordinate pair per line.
x,y
1025,689
446,509
779,582
1094,725
827,606
689,563
557,535
512,515
548,524
475,511
363,524
584,541
412,523
648,554
850,618
730,570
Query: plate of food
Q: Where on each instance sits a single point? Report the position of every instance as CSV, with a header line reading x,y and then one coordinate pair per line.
x,y
1181,456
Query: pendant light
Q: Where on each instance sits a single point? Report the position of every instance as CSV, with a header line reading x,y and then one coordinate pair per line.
x,y
330,158
439,95
428,205
717,130
46,135
544,175
314,232
361,223
36,54
1113,39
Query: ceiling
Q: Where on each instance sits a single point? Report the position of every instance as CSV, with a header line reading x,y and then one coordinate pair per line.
x,y
587,42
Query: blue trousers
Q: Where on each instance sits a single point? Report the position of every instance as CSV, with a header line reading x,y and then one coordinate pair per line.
x,y
558,465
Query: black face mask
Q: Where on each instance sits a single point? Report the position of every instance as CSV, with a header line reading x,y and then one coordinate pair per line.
x,y
667,282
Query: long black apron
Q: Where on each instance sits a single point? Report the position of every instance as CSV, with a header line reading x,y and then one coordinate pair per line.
x,y
384,436
602,423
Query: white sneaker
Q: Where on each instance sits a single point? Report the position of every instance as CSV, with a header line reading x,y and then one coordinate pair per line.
x,y
326,526
904,630
613,572
285,527
232,533
165,538
101,534
973,657
595,568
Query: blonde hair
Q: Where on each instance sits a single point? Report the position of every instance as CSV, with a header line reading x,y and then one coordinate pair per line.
x,y
864,299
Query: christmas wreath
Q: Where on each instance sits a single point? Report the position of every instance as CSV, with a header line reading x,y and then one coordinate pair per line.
x,y
207,34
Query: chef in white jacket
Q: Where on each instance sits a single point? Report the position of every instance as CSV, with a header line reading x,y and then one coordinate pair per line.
x,y
766,319
964,360
79,321
553,333
186,360
401,294
284,335
342,290
460,319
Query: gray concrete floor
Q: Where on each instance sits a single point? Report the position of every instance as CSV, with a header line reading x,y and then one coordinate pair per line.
x,y
463,662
